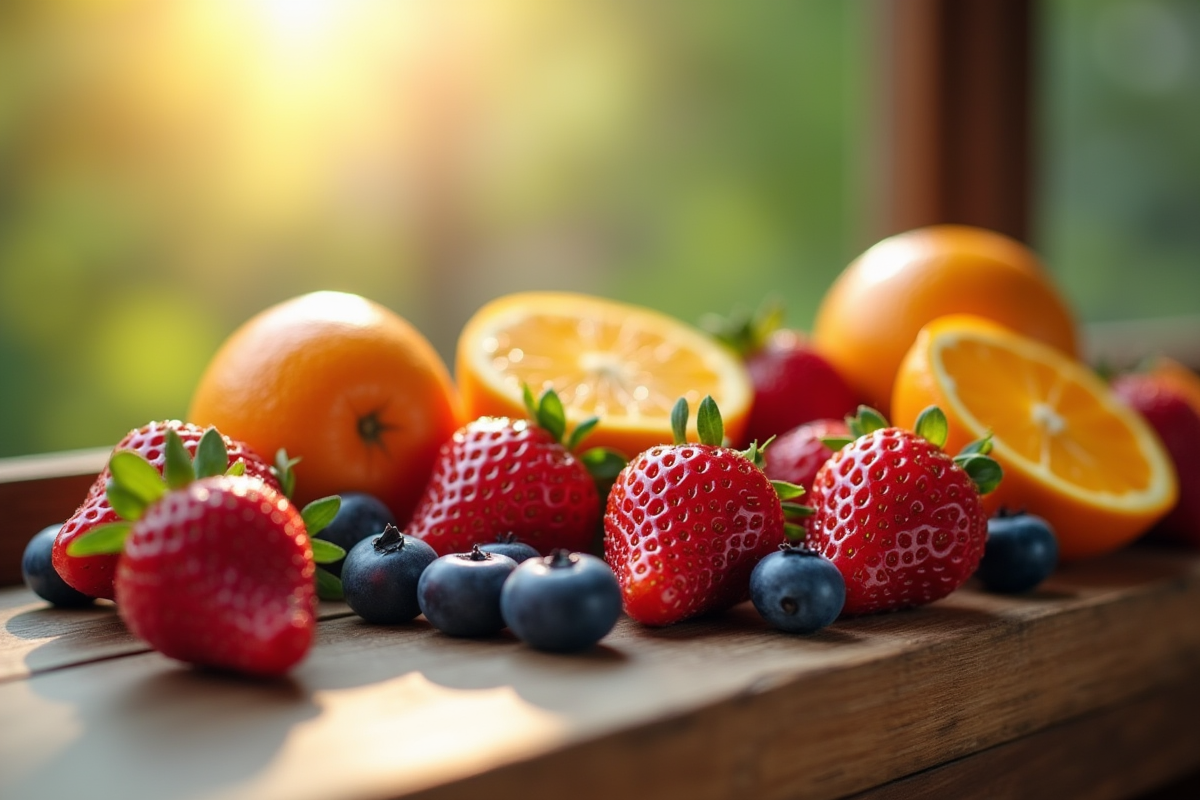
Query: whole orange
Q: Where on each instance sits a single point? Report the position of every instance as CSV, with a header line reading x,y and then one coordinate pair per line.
x,y
871,314
344,384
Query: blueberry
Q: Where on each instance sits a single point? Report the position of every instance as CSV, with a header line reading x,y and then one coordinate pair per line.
x,y
380,575
1021,552
563,602
37,567
797,589
506,544
359,516
460,593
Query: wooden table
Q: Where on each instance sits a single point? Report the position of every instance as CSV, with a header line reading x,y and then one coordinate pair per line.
x,y
1086,688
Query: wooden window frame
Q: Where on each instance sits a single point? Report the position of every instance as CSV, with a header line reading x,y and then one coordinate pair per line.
x,y
958,121
958,141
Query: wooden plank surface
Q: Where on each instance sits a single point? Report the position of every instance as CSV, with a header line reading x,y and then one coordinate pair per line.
x,y
1117,752
39,638
719,708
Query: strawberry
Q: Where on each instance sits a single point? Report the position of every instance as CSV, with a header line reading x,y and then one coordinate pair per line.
x,y
217,571
93,575
793,383
498,475
900,519
796,456
1166,407
686,523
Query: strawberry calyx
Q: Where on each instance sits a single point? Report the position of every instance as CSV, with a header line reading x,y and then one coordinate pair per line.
x,y
744,331
548,413
985,472
863,422
284,471
932,426
793,513
975,459
136,485
712,432
709,425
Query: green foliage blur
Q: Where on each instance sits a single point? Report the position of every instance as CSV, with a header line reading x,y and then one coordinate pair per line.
x,y
171,168
168,168
1119,198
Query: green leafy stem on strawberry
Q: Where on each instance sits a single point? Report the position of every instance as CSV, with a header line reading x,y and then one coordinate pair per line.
x,y
711,430
746,332
136,485
547,411
931,425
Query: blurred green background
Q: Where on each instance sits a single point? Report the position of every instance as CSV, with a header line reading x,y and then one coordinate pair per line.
x,y
167,169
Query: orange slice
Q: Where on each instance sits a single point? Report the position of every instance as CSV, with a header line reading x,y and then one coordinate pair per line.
x,y
623,363
1071,451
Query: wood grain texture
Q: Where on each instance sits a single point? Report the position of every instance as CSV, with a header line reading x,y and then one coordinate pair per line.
x,y
35,637
1122,751
720,708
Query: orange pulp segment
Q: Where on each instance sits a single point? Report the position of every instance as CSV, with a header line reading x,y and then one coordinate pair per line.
x,y
625,364
1071,451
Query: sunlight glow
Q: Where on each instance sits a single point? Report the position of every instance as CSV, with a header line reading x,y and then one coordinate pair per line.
x,y
299,22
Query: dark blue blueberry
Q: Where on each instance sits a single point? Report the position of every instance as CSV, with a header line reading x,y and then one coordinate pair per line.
x,y
460,593
1021,552
380,575
506,544
797,589
563,602
37,567
359,516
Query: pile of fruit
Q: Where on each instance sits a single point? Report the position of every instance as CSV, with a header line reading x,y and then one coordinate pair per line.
x,y
561,478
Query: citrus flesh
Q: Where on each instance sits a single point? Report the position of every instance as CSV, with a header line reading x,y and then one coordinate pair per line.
x,y
625,364
1071,451
872,313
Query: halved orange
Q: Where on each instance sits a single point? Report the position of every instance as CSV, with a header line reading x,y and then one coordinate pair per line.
x,y
623,363
1071,451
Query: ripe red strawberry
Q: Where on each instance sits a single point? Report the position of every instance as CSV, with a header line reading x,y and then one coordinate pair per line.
x,y
793,383
687,523
498,475
221,574
218,571
1177,424
93,575
900,519
796,456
